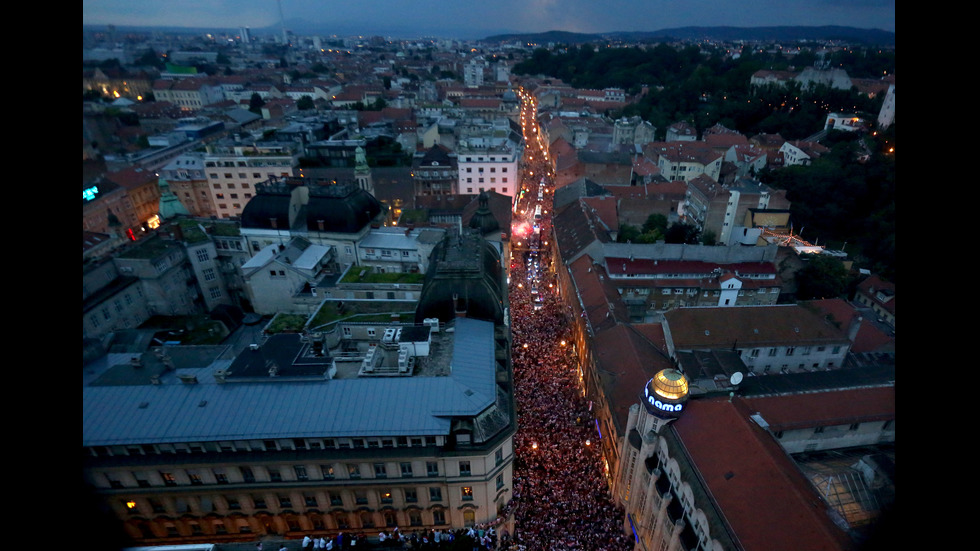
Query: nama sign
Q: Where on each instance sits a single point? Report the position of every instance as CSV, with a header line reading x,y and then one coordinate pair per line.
x,y
658,405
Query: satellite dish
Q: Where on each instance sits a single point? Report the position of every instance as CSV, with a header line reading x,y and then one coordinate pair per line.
x,y
736,378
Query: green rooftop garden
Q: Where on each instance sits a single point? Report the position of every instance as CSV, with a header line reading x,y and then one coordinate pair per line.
x,y
354,276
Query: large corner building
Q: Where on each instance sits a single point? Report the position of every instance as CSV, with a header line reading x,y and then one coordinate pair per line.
x,y
351,427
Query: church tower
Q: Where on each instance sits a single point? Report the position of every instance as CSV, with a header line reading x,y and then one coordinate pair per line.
x,y
170,205
362,172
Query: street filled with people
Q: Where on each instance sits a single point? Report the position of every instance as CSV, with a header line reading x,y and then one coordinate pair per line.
x,y
561,497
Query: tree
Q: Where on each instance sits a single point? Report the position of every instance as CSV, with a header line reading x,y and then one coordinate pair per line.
x,y
305,103
255,103
655,222
682,233
823,276
627,233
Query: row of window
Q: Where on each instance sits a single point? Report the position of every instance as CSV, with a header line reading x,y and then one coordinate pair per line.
x,y
242,175
492,159
352,471
480,169
354,498
791,350
288,444
364,519
232,185
492,181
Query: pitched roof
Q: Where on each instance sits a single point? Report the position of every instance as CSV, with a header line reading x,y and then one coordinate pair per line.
x,y
745,471
720,327
832,407
625,360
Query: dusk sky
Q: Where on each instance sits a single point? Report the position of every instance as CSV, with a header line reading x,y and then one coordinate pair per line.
x,y
475,19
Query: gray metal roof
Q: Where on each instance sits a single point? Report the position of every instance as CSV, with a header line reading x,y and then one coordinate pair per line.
x,y
208,411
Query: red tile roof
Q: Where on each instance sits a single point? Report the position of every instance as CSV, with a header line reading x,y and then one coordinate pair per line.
x,y
647,266
821,409
605,210
763,496
720,327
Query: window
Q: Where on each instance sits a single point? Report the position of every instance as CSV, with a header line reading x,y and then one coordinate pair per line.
x,y
209,274
221,477
790,350
156,505
438,517
309,500
380,470
327,471
275,475
300,472
467,493
360,497
498,456
464,468
435,494
247,474
335,499
202,255
285,502
406,469
258,502
168,479
411,495
385,496
432,468
233,504
353,470
500,481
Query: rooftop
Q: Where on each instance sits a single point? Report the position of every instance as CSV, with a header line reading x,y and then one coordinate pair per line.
x,y
190,403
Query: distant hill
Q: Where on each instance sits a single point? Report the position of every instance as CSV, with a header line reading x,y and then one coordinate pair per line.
x,y
778,34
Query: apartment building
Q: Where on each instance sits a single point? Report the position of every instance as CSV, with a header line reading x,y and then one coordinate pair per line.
x,y
234,169
677,495
188,181
359,429
488,157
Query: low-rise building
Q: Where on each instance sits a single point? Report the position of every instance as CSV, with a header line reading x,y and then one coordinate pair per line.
x,y
285,278
769,339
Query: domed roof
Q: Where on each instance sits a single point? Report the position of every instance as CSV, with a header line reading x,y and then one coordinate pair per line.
x,y
670,384
341,208
465,274
665,394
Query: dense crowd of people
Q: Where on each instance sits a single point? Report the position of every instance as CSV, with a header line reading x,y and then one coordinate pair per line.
x,y
561,498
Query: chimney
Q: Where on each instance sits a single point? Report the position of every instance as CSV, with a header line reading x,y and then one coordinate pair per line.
x,y
852,331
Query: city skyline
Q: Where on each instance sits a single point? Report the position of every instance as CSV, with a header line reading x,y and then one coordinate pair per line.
x,y
469,19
